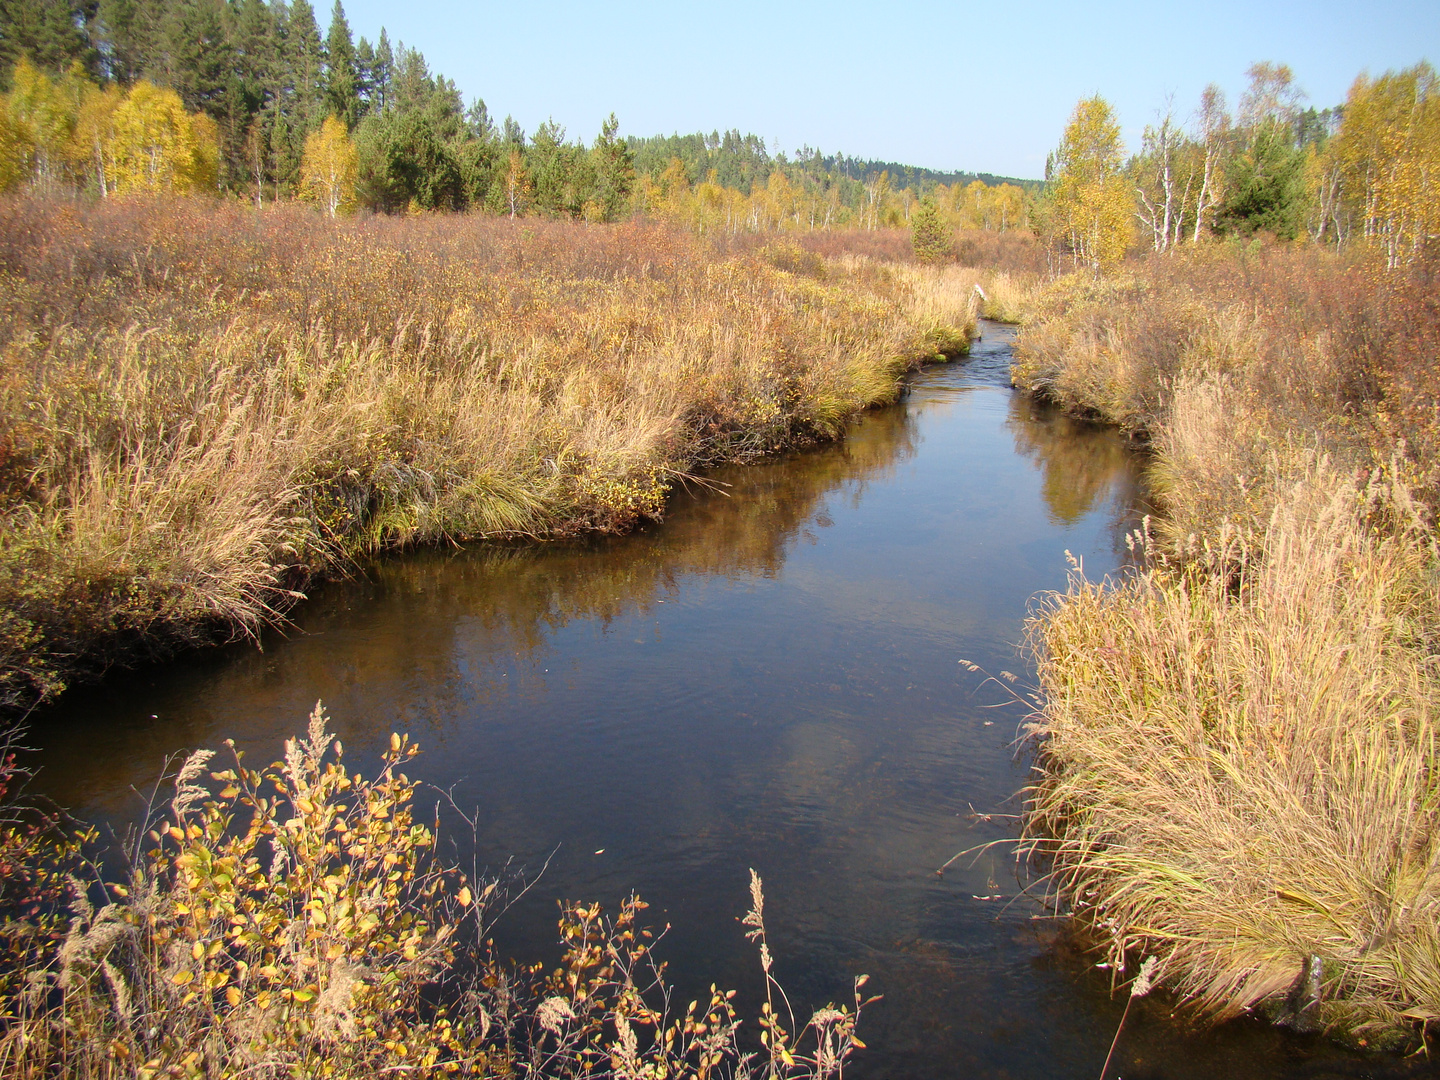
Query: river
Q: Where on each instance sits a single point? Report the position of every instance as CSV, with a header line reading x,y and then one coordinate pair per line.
x,y
771,678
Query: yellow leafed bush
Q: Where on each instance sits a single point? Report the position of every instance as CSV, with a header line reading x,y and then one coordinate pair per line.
x,y
295,920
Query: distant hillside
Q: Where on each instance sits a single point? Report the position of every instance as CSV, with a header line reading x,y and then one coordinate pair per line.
x,y
914,176
742,162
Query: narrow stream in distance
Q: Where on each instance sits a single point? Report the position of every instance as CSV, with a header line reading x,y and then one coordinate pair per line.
x,y
768,679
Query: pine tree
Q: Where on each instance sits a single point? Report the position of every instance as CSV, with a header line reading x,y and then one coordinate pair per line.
x,y
200,62
614,170
305,57
342,91
928,235
381,72
53,33
130,32
301,93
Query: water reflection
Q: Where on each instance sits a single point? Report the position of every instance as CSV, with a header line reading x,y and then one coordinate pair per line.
x,y
1078,472
438,624
769,679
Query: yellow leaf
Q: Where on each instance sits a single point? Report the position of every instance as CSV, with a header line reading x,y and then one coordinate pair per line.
x,y
180,978
232,995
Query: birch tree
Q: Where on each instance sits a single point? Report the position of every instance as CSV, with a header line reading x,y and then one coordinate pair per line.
x,y
1161,188
1089,195
158,146
1389,152
1212,123
330,166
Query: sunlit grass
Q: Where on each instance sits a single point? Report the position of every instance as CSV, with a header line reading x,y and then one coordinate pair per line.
x,y
1236,745
203,406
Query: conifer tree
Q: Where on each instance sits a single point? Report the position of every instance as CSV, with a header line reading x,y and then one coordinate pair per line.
x,y
928,235
342,91
305,56
53,33
614,170
382,71
200,64
130,31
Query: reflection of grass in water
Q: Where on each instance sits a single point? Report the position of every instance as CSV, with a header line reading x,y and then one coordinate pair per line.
x,y
449,616
200,406
522,595
1081,464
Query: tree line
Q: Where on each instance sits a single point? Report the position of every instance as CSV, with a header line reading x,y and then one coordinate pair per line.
x,y
266,106
1366,169
261,81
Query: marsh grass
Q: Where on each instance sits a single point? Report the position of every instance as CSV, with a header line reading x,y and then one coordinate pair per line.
x,y
1236,775
201,406
1236,742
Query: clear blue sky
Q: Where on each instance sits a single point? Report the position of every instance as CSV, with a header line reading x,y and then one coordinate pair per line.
x,y
982,86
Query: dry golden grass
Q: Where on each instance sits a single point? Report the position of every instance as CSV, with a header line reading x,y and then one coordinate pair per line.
x,y
201,406
1236,746
1236,776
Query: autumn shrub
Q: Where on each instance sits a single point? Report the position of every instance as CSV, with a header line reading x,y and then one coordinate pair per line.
x,y
296,920
201,406
1280,342
1014,252
882,245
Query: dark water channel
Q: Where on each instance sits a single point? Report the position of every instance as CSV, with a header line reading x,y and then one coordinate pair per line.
x,y
768,679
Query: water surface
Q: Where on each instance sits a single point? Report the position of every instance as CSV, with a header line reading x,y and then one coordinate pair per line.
x,y
771,678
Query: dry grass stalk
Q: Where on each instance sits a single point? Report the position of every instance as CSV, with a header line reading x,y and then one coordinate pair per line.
x,y
201,406
1237,774
1236,746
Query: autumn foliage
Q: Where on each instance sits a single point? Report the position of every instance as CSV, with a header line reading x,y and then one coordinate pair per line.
x,y
296,919
57,133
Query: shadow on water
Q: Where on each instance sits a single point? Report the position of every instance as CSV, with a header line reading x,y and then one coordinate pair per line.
x,y
768,679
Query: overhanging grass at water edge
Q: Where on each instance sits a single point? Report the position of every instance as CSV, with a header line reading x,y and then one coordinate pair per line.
x,y
202,406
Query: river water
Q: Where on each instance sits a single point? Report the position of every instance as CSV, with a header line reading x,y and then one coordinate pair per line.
x,y
771,678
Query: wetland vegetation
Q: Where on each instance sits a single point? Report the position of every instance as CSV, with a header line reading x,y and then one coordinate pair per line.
x,y
213,396
1236,745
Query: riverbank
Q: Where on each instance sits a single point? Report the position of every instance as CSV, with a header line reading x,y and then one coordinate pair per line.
x,y
1235,750
205,407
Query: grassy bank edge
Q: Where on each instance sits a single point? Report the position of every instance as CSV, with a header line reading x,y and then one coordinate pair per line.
x,y
201,418
1235,745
